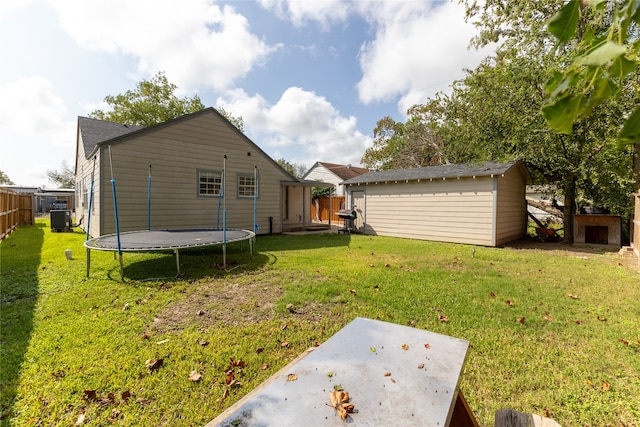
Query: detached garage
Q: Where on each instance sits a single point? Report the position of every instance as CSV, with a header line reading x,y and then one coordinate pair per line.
x,y
480,204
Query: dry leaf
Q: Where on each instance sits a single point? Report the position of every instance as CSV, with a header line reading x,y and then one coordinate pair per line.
x,y
421,366
548,318
443,318
89,395
572,296
492,295
587,381
605,386
194,376
405,347
264,366
521,320
284,344
203,343
292,377
80,420
387,374
508,302
153,364
230,378
602,319
427,346
259,350
125,395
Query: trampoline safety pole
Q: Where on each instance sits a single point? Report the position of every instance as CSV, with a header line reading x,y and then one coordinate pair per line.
x,y
93,171
115,212
149,200
224,212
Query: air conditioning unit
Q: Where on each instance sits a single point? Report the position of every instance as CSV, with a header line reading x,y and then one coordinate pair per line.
x,y
60,220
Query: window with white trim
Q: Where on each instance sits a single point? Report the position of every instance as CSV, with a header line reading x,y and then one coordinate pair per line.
x,y
246,186
209,183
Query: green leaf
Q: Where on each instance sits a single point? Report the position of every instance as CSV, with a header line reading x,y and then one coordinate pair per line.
x,y
601,54
564,22
630,132
602,89
562,112
622,67
558,83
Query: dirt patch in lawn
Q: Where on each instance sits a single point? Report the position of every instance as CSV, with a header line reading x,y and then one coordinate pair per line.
x,y
611,255
234,303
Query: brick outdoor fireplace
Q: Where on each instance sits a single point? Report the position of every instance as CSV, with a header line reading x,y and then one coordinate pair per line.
x,y
598,229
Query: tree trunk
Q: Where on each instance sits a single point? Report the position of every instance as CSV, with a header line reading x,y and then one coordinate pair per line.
x,y
569,206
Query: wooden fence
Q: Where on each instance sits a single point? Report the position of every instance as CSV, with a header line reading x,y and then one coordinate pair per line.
x,y
15,209
320,208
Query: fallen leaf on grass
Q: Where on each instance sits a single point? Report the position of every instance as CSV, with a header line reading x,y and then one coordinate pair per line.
x,y
521,320
237,363
548,318
125,395
203,343
492,295
89,395
508,302
605,386
572,296
602,319
154,364
80,420
292,377
230,379
284,344
195,376
587,381
264,367
443,318
143,401
626,342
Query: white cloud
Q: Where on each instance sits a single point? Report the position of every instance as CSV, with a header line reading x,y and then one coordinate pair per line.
x,y
302,123
324,12
195,42
32,125
418,50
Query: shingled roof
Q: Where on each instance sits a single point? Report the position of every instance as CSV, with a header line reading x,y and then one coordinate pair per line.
x,y
344,172
95,131
466,170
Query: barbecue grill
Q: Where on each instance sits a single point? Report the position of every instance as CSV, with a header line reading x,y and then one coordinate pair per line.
x,y
348,217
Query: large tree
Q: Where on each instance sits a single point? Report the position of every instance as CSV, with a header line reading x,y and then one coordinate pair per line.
x,y
63,177
153,101
494,113
4,179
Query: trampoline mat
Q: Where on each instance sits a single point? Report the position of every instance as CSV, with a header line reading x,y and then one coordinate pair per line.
x,y
159,240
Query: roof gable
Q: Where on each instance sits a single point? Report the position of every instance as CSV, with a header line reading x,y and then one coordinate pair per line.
x,y
466,170
95,131
343,172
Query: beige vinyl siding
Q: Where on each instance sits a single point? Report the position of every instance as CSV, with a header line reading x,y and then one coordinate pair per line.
x,y
511,207
323,174
176,153
452,210
84,170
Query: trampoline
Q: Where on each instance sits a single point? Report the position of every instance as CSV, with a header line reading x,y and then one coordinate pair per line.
x,y
166,240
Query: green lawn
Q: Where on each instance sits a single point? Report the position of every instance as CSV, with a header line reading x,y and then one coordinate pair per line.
x,y
552,331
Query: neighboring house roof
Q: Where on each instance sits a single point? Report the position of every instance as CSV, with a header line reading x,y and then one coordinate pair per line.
x,y
466,170
95,131
343,172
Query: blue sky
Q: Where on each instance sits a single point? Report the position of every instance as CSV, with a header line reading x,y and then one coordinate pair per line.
x,y
309,78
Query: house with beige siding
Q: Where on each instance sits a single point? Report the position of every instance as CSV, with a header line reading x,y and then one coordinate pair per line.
x,y
181,174
480,204
335,174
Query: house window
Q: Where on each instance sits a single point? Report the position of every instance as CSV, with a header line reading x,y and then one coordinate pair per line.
x,y
209,183
247,186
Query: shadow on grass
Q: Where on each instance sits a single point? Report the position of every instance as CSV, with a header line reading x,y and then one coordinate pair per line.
x,y
19,262
194,264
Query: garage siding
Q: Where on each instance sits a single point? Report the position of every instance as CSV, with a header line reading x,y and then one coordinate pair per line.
x,y
511,210
452,210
